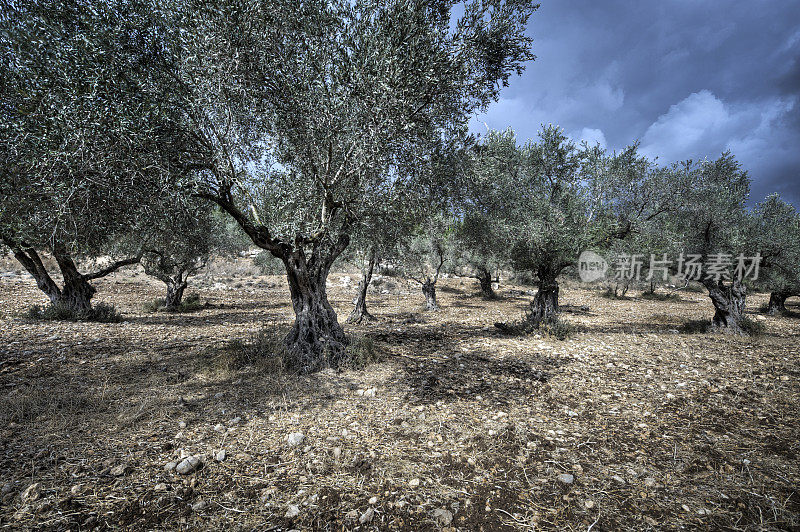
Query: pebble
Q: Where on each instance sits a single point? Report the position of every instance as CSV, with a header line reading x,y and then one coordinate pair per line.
x,y
199,505
373,500
352,515
32,492
566,478
292,512
442,517
161,487
618,479
367,516
414,482
295,439
219,427
188,465
220,456
650,482
337,452
169,466
120,470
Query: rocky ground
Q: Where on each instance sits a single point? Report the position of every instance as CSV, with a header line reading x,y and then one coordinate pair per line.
x,y
629,424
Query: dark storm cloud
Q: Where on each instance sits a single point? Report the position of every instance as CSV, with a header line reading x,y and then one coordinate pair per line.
x,y
688,78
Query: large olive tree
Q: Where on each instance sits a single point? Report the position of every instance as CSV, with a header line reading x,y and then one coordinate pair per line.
x,y
337,101
82,158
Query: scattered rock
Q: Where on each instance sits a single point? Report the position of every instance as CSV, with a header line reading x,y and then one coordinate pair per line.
x,y
337,453
188,465
120,470
566,478
367,516
442,517
160,487
373,500
219,427
199,505
169,466
352,515
414,482
650,482
32,492
220,456
618,479
295,438
588,504
292,511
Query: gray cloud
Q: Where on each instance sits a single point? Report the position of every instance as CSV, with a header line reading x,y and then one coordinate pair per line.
x,y
689,78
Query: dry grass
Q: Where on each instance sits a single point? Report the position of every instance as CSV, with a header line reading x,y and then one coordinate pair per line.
x,y
660,429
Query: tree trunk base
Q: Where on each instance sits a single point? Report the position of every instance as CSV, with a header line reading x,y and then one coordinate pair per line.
x,y
544,307
777,303
485,280
429,290
729,303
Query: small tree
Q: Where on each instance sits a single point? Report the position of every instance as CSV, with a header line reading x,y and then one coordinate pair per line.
x,y
777,231
179,245
422,254
486,194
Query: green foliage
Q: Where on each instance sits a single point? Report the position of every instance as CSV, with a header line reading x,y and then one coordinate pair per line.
x,y
361,352
267,264
752,327
101,312
660,296
190,303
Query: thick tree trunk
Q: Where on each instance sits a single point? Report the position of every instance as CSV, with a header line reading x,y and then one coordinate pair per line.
x,y
777,303
316,340
176,285
729,302
32,263
544,306
77,293
485,280
360,312
429,290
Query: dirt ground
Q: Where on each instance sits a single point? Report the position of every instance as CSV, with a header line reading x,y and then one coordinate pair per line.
x,y
628,425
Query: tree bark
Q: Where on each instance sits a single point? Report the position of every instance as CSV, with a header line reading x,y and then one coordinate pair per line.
x,y
316,340
360,312
729,302
485,280
176,285
77,293
777,303
544,306
429,290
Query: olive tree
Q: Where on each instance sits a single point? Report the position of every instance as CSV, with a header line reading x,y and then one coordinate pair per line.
x,y
345,98
777,231
712,222
80,165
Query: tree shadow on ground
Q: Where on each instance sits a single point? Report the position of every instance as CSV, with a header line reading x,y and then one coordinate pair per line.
x,y
206,319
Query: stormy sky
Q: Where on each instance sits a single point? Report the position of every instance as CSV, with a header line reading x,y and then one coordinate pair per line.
x,y
687,78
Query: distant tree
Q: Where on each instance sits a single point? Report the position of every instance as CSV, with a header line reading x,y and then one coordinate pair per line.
x,y
81,166
422,254
487,193
777,232
179,245
347,97
711,219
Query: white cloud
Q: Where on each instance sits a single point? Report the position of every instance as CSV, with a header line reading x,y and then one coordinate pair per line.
x,y
592,136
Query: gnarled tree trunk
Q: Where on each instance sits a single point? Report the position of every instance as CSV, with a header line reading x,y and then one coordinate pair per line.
x,y
429,290
544,306
729,302
777,303
176,285
485,279
77,293
316,340
360,312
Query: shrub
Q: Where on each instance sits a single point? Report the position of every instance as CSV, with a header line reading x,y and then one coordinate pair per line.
x,y
267,264
556,328
656,296
361,352
101,312
752,327
190,303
